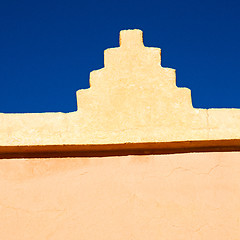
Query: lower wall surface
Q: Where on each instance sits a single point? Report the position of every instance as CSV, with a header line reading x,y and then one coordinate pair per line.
x,y
149,197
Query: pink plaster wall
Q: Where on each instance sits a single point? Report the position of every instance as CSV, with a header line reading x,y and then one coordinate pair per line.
x,y
151,197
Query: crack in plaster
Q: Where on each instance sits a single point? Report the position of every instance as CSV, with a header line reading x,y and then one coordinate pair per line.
x,y
208,129
31,211
193,172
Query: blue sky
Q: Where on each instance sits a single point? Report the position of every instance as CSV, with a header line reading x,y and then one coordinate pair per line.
x,y
48,48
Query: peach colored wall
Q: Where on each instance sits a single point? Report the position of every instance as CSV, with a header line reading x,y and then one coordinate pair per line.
x,y
151,197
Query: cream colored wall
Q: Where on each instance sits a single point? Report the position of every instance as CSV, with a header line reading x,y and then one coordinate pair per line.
x,y
131,99
178,196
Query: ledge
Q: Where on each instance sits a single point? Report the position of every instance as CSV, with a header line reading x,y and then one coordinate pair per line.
x,y
107,150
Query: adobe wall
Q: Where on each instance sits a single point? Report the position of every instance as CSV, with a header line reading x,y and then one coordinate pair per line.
x,y
148,197
135,161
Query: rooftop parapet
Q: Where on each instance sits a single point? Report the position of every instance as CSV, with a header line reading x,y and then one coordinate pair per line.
x,y
133,99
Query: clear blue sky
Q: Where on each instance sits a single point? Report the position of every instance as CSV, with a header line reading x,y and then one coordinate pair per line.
x,y
48,48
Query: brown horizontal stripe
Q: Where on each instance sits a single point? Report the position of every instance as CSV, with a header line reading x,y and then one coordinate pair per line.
x,y
103,150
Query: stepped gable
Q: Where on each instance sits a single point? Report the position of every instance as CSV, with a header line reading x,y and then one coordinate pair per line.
x,y
133,92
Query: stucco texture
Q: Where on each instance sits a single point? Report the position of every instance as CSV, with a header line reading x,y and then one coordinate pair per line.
x,y
149,197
